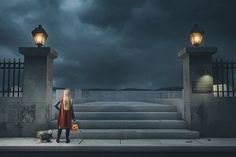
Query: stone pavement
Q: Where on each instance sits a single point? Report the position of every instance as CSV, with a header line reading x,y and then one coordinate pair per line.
x,y
120,145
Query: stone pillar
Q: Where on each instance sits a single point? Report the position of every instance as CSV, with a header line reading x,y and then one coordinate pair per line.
x,y
37,88
197,82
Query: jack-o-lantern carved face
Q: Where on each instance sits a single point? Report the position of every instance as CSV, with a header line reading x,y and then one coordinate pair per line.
x,y
74,127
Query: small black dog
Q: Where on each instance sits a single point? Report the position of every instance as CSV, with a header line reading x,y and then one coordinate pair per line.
x,y
46,136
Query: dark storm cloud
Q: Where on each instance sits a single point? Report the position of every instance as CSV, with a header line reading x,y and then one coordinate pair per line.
x,y
107,13
117,44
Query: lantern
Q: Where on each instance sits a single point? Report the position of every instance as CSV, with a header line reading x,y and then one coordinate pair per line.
x,y
196,35
74,128
39,35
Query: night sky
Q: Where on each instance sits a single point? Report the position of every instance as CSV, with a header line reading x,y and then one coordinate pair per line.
x,y
117,43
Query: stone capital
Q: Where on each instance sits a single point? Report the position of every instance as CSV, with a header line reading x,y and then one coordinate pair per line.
x,y
200,51
38,51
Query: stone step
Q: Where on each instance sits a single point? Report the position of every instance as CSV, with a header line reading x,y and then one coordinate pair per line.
x,y
131,134
123,107
120,103
126,115
127,124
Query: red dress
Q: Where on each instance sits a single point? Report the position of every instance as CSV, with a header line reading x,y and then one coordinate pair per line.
x,y
64,116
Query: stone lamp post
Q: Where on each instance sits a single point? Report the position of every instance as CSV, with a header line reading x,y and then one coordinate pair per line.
x,y
197,78
37,83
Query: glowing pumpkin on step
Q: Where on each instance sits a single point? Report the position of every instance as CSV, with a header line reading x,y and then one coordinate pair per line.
x,y
74,127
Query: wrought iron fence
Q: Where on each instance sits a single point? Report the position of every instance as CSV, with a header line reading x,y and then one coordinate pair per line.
x,y
11,76
224,78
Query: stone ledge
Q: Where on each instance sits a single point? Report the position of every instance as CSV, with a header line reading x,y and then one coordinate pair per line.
x,y
119,145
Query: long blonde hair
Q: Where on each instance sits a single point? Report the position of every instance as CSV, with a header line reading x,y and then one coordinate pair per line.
x,y
67,101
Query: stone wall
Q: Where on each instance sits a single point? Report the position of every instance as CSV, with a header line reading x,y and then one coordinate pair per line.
x,y
93,95
9,121
15,117
214,116
19,118
89,95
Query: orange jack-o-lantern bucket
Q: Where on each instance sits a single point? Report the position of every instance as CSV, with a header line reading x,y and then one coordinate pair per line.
x,y
74,127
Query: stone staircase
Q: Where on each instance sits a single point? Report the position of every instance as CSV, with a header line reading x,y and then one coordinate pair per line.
x,y
128,120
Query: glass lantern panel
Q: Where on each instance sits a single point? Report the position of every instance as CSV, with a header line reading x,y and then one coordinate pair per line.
x,y
39,38
196,38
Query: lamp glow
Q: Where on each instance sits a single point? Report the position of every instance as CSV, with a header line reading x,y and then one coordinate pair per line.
x,y
196,35
39,36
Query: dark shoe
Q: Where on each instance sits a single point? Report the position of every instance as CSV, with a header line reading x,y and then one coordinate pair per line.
x,y
58,135
67,135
